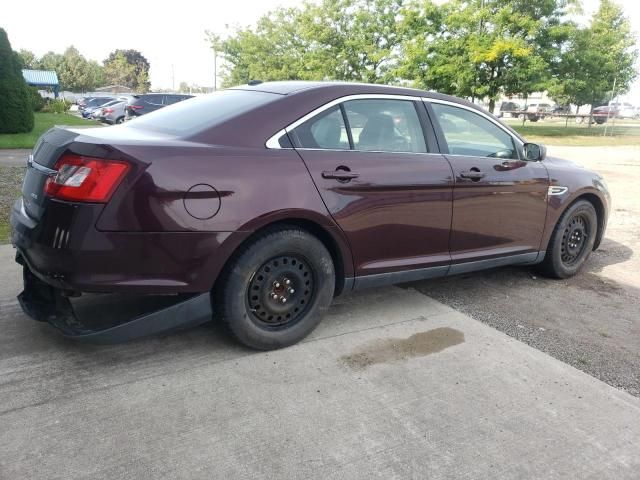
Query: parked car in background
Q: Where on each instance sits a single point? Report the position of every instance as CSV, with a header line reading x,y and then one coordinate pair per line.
x,y
561,109
84,102
537,111
90,105
624,109
604,113
509,108
150,102
113,112
268,200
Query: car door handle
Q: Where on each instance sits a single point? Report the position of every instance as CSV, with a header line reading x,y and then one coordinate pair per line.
x,y
472,175
339,175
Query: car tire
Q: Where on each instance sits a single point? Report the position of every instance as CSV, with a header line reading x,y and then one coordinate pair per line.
x,y
119,120
571,242
249,298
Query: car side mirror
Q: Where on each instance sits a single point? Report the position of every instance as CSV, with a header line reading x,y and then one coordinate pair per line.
x,y
534,152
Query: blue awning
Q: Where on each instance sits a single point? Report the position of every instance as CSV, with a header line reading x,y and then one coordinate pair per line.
x,y
40,78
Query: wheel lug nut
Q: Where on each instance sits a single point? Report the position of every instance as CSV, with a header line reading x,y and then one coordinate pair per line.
x,y
274,296
291,290
287,281
283,299
277,284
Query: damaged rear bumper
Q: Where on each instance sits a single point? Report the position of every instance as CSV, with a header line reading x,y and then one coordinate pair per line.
x,y
45,303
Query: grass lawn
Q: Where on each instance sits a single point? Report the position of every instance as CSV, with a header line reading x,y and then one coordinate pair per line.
x,y
555,133
43,122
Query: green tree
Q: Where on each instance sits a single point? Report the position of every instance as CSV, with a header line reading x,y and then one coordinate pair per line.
x,y
76,73
597,56
334,39
16,109
118,71
481,48
137,77
50,61
29,59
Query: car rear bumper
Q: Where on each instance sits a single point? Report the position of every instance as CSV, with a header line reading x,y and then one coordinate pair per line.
x,y
65,250
44,303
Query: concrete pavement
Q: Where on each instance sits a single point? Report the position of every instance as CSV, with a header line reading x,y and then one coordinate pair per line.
x,y
391,385
14,157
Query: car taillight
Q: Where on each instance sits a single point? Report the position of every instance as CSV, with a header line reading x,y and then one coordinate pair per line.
x,y
136,107
107,110
85,179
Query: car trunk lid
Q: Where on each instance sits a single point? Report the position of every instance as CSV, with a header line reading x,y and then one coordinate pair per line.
x,y
41,166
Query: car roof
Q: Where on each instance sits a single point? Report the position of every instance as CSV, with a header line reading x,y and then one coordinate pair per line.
x,y
345,88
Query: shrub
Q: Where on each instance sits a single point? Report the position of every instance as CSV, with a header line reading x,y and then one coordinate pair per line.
x,y
37,102
57,106
16,112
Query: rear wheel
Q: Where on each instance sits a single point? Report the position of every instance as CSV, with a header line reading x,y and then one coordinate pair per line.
x,y
119,120
572,241
277,289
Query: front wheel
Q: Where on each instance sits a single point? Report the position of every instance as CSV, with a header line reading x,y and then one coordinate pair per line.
x,y
572,241
277,289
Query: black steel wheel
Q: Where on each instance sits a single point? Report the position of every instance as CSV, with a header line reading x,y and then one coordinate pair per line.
x,y
281,291
276,289
572,241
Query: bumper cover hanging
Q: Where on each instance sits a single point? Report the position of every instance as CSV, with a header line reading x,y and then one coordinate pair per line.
x,y
45,303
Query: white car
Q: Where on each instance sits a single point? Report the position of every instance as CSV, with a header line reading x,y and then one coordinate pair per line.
x,y
625,110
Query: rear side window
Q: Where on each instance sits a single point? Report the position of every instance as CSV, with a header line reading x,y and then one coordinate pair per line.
x,y
376,125
199,113
385,126
154,99
326,130
171,99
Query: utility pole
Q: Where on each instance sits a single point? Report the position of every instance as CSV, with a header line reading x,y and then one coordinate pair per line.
x,y
613,93
215,70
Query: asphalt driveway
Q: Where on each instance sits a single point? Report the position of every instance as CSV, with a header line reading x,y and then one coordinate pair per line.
x,y
392,385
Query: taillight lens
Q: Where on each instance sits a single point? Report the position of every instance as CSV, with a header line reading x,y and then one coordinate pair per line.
x,y
136,107
85,179
107,110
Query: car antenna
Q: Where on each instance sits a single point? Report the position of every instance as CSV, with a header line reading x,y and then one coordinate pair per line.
x,y
254,82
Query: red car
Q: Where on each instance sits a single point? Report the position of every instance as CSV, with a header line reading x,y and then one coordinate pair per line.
x,y
261,203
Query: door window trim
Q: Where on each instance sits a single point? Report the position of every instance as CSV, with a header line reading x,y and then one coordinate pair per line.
x,y
518,143
274,141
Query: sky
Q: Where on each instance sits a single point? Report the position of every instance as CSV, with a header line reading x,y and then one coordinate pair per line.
x,y
171,37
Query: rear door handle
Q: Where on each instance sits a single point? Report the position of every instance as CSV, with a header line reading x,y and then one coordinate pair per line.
x,y
340,175
472,175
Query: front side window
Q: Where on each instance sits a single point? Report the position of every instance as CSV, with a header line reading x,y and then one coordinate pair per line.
x,y
468,133
383,125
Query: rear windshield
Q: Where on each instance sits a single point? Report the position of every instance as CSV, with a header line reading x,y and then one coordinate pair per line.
x,y
199,113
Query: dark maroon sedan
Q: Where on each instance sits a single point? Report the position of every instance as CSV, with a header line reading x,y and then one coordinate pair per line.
x,y
261,203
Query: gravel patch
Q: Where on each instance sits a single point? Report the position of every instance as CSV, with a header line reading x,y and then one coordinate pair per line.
x,y
10,185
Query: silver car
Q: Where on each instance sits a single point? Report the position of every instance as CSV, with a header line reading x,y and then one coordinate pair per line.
x,y
112,112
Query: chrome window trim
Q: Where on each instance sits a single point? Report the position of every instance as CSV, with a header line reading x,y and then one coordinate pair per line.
x,y
478,112
273,143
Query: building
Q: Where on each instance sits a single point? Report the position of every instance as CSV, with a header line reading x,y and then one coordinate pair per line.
x,y
42,79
